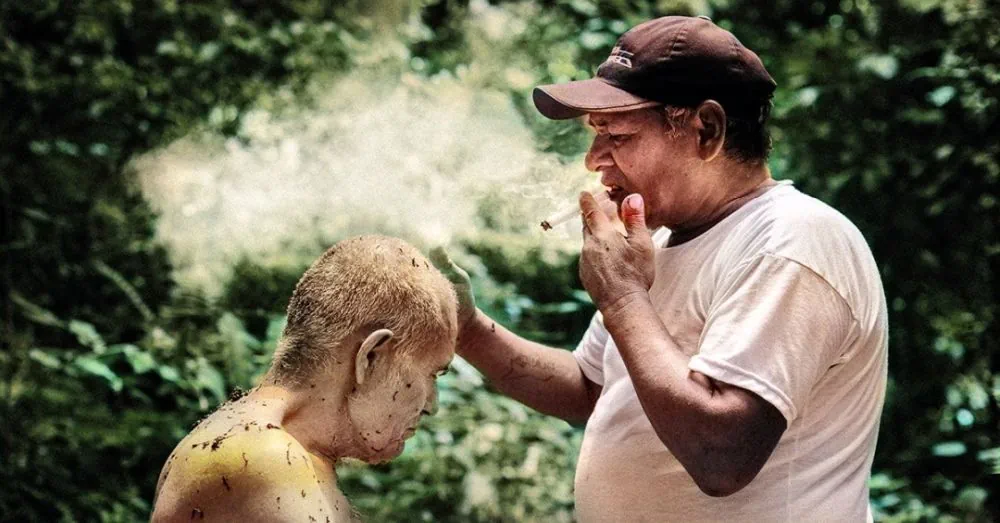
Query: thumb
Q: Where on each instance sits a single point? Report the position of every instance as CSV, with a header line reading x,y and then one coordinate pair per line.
x,y
440,258
634,216
455,274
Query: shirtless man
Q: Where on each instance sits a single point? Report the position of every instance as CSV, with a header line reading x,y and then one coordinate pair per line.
x,y
370,326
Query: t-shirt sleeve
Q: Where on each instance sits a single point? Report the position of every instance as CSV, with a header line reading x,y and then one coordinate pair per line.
x,y
775,328
589,353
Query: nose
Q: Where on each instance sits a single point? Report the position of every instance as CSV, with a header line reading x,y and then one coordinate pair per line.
x,y
431,402
599,154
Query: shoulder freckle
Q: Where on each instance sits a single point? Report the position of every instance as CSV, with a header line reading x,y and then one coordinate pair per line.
x,y
251,456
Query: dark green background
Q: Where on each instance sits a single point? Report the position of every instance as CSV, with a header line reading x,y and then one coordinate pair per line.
x,y
887,110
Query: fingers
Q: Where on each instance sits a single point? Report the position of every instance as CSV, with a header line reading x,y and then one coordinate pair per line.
x,y
594,218
443,262
634,216
440,259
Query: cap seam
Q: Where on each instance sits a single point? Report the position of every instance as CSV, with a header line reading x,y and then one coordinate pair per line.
x,y
682,34
735,46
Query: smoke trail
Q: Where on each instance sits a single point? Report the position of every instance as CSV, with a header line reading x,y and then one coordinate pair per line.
x,y
425,160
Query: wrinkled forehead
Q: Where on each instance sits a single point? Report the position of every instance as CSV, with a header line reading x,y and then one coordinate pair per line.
x,y
623,120
434,352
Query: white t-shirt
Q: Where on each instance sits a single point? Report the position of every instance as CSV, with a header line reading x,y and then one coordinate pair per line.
x,y
782,298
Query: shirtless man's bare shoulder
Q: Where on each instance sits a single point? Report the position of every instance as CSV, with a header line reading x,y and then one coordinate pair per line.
x,y
239,464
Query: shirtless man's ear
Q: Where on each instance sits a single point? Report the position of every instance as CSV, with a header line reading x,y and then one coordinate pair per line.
x,y
371,324
367,353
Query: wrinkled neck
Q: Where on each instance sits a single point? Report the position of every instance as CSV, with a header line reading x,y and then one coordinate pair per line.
x,y
315,414
741,189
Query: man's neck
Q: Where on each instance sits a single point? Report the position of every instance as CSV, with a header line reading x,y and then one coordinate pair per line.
x,y
755,182
315,417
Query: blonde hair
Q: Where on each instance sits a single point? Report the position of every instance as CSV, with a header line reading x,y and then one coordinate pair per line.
x,y
367,282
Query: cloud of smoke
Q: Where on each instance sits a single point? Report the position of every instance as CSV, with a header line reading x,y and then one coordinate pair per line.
x,y
423,159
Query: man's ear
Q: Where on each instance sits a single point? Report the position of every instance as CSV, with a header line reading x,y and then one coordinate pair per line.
x,y
366,354
710,123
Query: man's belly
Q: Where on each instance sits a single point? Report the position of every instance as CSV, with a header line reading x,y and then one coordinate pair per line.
x,y
625,473
626,480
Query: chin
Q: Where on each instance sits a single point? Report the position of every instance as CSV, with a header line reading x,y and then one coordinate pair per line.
x,y
387,455
387,452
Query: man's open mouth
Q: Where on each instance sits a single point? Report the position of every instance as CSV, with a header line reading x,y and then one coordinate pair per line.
x,y
616,193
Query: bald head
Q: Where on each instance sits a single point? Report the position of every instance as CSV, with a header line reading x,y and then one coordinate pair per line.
x,y
358,286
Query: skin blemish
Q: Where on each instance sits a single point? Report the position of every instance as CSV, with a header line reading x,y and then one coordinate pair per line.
x,y
288,457
408,385
303,493
225,483
415,262
270,426
394,395
493,327
312,518
378,432
217,442
245,461
521,362
278,500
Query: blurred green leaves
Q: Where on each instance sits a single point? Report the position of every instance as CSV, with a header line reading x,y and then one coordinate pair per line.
x,y
886,109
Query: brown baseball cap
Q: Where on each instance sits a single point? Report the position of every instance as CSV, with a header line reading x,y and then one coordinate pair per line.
x,y
676,60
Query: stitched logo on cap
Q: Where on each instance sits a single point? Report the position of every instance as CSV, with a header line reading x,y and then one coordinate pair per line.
x,y
621,57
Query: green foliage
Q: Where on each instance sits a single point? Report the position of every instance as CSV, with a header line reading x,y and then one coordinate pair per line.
x,y
886,109
104,362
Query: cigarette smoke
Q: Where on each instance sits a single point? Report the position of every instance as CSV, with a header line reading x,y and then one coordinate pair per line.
x,y
430,160
425,160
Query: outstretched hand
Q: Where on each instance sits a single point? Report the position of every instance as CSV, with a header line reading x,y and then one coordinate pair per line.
x,y
613,266
460,281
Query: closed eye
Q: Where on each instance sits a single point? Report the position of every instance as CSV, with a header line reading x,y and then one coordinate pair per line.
x,y
618,139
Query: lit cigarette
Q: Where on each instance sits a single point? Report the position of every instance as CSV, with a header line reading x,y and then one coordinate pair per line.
x,y
561,217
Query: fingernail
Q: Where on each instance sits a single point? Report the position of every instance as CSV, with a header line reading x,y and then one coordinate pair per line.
x,y
634,202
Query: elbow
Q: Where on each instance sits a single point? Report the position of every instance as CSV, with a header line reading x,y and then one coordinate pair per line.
x,y
719,485
724,475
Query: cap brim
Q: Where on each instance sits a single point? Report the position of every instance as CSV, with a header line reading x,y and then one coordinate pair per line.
x,y
573,99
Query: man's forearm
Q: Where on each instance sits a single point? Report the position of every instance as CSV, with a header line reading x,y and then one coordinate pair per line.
x,y
544,378
700,421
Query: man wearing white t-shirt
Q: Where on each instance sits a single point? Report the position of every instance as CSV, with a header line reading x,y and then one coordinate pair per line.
x,y
736,368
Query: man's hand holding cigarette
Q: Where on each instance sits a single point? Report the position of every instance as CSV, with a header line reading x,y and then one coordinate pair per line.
x,y
613,266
